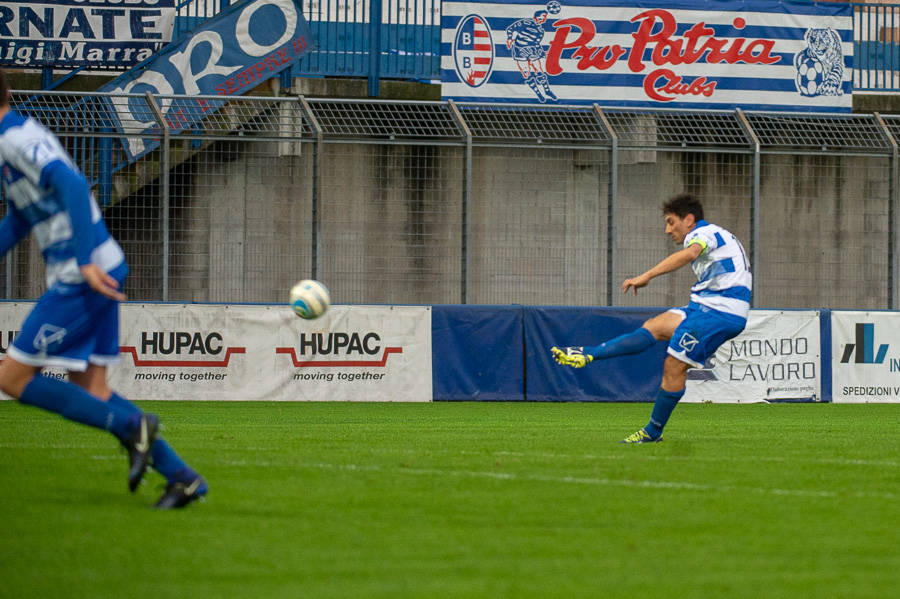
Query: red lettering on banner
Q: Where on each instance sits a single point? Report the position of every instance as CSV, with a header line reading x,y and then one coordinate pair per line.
x,y
665,81
668,49
250,75
600,58
672,51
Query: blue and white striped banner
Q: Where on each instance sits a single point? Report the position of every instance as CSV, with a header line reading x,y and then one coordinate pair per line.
x,y
763,55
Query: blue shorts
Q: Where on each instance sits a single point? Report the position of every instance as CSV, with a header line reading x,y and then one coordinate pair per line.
x,y
69,328
701,332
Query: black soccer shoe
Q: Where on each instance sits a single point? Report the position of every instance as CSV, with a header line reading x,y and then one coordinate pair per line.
x,y
139,446
179,494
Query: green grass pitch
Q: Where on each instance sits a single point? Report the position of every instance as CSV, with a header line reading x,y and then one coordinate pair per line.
x,y
461,500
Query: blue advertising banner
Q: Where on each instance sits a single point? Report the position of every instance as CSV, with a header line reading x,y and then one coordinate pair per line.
x,y
626,378
107,34
228,55
717,54
478,353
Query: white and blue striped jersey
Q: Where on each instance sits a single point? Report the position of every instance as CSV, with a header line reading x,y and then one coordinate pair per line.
x,y
27,149
724,282
527,32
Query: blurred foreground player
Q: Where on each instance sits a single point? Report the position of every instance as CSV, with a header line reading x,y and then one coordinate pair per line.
x,y
720,302
75,323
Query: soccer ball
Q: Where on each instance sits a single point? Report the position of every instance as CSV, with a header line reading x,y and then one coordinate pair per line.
x,y
309,299
810,76
553,7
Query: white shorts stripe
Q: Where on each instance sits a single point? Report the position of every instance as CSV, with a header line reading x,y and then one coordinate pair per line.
x,y
45,361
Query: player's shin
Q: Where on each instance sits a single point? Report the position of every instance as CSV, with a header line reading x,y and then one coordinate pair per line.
x,y
74,403
629,343
163,458
662,409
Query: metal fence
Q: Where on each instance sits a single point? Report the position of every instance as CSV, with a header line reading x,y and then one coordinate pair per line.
x,y
439,202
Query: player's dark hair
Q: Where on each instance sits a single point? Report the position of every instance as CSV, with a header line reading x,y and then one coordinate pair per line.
x,y
684,204
4,89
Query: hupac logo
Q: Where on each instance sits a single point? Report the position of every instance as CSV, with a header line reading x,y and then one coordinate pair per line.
x,y
189,348
337,347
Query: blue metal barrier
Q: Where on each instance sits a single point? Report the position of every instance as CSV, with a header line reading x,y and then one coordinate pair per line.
x,y
468,366
189,14
876,33
409,38
406,41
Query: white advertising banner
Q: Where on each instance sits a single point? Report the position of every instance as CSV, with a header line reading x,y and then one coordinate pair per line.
x,y
67,34
776,358
865,357
224,352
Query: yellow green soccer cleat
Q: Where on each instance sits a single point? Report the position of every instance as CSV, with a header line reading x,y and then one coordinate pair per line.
x,y
571,356
641,436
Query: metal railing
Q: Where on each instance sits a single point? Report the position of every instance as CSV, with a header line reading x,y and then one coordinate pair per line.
x,y
407,39
392,39
876,45
439,202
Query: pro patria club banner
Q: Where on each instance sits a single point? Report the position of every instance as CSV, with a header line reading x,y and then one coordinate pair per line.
x,y
678,54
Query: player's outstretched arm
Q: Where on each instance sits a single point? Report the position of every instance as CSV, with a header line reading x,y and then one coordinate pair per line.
x,y
670,263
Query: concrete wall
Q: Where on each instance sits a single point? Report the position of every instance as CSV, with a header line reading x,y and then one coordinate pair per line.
x,y
391,222
391,225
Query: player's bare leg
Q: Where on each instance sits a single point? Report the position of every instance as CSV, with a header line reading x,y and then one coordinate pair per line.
x,y
15,376
662,326
674,375
92,380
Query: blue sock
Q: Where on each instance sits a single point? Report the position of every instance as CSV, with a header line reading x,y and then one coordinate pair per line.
x,y
629,343
662,409
74,403
164,459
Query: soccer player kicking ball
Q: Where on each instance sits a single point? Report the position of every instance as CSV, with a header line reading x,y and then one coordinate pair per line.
x,y
75,323
720,301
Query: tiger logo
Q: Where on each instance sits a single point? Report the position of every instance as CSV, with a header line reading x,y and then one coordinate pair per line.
x,y
820,66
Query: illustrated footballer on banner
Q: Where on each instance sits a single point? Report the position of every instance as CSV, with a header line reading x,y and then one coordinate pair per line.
x,y
523,38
